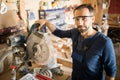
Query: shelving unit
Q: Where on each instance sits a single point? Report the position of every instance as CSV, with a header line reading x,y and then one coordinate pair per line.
x,y
55,16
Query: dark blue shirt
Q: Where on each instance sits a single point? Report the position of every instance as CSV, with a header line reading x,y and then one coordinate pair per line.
x,y
91,56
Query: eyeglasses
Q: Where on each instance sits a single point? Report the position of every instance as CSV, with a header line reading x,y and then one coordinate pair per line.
x,y
81,17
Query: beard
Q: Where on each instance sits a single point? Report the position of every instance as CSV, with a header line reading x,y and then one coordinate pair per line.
x,y
83,30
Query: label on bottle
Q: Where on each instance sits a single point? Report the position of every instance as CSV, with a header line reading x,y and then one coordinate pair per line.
x,y
13,74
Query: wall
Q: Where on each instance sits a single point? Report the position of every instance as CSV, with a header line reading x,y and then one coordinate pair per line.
x,y
10,18
114,13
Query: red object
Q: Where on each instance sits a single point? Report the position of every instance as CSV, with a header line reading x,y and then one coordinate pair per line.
x,y
8,30
114,7
12,67
41,77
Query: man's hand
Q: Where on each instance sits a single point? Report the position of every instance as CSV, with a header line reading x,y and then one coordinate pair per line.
x,y
109,78
51,26
41,22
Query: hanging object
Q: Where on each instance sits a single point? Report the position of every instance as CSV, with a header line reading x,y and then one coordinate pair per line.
x,y
3,8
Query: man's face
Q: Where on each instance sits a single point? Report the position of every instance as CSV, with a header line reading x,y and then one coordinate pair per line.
x,y
83,19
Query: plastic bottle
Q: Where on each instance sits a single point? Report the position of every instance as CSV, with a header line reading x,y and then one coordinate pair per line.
x,y
13,72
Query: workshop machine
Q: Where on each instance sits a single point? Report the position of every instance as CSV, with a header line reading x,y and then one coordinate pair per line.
x,y
35,48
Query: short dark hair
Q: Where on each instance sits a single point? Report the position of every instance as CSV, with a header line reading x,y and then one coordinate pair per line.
x,y
88,6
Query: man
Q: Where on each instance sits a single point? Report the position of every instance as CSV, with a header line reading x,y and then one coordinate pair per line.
x,y
93,52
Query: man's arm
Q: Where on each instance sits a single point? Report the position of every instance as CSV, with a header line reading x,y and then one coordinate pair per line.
x,y
109,78
48,24
109,59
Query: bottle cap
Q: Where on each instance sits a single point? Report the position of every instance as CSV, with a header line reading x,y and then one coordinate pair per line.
x,y
12,67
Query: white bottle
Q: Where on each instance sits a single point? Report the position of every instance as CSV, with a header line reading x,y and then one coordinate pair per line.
x,y
13,73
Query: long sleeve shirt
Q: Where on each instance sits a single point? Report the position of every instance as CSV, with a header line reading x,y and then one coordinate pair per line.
x,y
91,56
